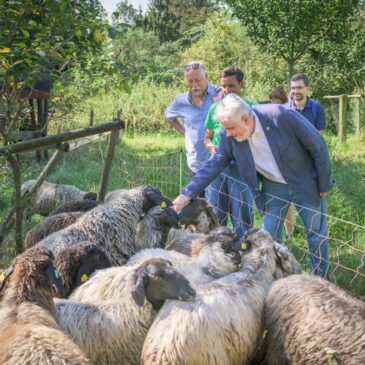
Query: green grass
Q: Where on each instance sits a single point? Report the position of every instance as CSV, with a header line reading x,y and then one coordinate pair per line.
x,y
156,159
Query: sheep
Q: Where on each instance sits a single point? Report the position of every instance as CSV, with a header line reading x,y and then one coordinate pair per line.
x,y
111,226
76,264
49,196
154,227
51,224
110,314
190,243
218,256
223,325
29,332
75,206
306,317
199,216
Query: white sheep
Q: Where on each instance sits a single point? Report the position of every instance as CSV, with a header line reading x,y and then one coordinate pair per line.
x,y
111,226
309,320
110,314
49,196
29,332
223,325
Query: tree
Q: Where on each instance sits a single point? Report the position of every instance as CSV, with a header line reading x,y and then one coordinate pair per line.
x,y
289,29
38,37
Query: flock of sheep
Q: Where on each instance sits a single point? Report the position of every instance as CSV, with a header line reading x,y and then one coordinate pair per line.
x,y
130,281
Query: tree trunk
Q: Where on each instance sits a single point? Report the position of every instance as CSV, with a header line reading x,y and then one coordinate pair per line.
x,y
18,234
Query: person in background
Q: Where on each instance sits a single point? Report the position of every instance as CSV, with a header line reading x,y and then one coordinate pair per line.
x,y
228,193
188,111
278,96
313,111
281,148
309,108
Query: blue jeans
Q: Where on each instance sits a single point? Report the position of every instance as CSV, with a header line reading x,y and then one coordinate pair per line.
x,y
314,219
231,197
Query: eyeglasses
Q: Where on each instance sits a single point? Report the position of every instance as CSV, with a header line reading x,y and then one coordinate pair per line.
x,y
297,87
189,66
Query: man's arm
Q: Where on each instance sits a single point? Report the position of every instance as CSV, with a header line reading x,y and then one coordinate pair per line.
x,y
208,144
175,123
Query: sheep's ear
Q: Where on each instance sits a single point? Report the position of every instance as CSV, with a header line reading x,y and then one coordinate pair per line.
x,y
4,277
282,251
138,292
54,275
213,217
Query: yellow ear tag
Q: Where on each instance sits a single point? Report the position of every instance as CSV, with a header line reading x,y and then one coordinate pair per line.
x,y
2,277
278,254
244,246
84,278
163,205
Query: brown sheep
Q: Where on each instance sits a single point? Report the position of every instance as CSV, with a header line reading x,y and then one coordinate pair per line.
x,y
29,332
76,264
50,225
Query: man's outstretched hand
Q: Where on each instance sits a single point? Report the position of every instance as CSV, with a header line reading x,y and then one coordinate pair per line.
x,y
180,202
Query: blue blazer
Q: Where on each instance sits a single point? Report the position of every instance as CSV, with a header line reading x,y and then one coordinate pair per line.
x,y
298,148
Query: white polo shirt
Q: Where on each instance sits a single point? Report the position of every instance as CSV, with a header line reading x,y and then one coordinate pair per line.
x,y
264,159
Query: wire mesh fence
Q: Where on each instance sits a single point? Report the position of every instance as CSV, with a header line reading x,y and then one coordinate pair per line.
x,y
169,173
346,239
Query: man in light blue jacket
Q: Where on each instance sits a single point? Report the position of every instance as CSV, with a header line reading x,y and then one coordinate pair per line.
x,y
281,149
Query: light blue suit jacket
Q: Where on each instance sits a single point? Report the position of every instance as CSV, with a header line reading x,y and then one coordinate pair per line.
x,y
298,148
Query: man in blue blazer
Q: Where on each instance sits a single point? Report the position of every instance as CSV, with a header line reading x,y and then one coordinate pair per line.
x,y
280,149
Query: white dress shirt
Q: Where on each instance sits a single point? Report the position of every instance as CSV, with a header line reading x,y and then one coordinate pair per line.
x,y
264,159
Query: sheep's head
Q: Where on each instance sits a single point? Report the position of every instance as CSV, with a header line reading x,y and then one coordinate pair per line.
x,y
76,263
286,262
152,197
165,217
157,280
261,241
33,275
198,216
224,241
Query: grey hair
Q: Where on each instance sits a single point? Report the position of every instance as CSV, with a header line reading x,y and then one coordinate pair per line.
x,y
201,68
232,107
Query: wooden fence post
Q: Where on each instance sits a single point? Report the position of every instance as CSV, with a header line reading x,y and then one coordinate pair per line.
x,y
114,137
342,111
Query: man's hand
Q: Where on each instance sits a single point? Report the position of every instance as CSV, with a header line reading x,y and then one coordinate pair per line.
x,y
323,194
180,202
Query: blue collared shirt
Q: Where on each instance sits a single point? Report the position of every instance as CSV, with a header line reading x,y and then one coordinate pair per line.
x,y
193,117
317,117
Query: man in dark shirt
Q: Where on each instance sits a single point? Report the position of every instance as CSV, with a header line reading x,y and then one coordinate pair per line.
x,y
310,109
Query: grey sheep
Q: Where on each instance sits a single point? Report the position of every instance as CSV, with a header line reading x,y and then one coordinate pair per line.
x,y
110,314
188,243
310,320
77,263
75,206
154,227
224,324
110,226
51,224
198,216
49,196
29,332
218,256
